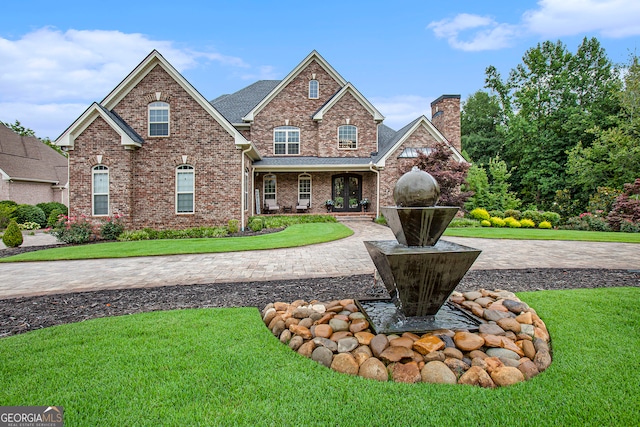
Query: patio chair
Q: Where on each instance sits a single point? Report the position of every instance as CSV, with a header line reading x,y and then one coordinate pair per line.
x,y
271,206
303,205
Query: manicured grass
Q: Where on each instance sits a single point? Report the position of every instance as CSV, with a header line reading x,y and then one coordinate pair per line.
x,y
538,234
292,236
223,367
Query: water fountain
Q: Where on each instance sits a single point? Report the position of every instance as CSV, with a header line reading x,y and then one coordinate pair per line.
x,y
418,270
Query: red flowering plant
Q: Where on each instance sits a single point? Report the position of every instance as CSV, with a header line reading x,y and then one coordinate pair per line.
x,y
72,229
112,227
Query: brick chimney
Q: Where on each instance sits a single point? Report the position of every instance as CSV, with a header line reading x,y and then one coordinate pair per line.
x,y
445,116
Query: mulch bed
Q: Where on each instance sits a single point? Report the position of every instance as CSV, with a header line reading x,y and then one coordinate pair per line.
x,y
19,315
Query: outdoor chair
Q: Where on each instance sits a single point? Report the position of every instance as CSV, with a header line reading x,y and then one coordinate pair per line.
x,y
271,206
303,205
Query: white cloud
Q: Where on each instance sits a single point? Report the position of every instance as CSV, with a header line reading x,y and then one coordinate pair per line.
x,y
609,18
402,109
485,32
49,72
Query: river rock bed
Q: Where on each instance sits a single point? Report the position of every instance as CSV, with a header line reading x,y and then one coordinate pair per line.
x,y
512,344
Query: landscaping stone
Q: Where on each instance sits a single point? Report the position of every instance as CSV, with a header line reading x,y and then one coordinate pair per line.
x,y
512,345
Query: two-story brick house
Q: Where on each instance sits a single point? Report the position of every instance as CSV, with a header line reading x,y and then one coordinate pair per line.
x,y
156,151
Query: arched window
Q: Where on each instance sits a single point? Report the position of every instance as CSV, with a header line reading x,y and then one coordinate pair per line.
x,y
159,119
304,188
184,189
286,140
269,188
100,190
348,137
313,89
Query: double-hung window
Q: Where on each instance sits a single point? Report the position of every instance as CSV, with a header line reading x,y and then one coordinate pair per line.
x,y
313,89
100,190
286,140
348,137
269,187
159,119
184,189
304,187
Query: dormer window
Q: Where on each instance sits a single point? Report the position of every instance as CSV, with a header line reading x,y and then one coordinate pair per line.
x,y
159,119
348,137
313,89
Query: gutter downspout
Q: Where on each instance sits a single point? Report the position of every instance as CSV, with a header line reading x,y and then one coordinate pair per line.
x,y
243,189
371,168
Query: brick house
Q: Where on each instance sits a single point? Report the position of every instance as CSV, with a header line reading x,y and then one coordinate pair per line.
x,y
30,172
158,152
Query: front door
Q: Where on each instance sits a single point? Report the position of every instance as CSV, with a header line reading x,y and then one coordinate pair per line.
x,y
347,192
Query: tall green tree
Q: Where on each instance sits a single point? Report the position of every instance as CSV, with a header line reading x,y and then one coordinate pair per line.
x,y
550,100
480,124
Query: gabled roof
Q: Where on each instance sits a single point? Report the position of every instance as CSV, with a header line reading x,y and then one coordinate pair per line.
x,y
140,72
26,158
128,137
392,144
312,163
236,105
349,88
313,56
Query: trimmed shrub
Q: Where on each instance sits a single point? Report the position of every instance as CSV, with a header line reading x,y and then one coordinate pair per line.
x,y
380,220
12,237
54,216
111,228
535,216
256,224
527,223
626,206
48,207
545,225
497,214
513,213
512,222
30,213
8,203
480,214
629,227
233,226
552,217
464,223
6,213
73,230
497,222
485,223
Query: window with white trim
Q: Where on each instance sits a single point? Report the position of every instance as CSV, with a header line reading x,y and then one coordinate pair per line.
x,y
100,190
269,187
304,187
347,137
313,89
159,119
286,140
246,189
184,189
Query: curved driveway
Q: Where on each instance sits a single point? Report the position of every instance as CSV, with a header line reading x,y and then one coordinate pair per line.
x,y
340,258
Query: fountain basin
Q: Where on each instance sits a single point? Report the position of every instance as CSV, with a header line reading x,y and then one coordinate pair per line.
x,y
419,226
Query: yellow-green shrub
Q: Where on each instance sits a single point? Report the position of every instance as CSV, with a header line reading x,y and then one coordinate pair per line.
x,y
512,222
497,222
12,237
544,224
479,213
527,223
485,223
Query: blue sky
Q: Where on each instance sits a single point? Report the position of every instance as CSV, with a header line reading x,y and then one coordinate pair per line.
x,y
56,58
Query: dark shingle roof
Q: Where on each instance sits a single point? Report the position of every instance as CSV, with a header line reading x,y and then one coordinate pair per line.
x,y
123,125
236,105
312,161
27,158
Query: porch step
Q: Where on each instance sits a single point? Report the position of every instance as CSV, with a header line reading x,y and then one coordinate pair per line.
x,y
354,216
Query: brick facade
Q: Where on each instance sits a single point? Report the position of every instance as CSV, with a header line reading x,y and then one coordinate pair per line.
x,y
445,115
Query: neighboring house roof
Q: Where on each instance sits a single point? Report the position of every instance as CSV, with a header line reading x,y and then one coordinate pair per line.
x,y
26,158
236,105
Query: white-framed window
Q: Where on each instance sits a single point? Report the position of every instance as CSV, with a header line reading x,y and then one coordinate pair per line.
x,y
246,188
347,137
304,187
159,119
269,187
314,89
100,190
185,189
286,140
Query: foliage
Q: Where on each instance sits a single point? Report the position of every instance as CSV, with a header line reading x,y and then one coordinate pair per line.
x,y
479,213
494,193
448,172
535,216
255,223
485,223
545,225
587,222
564,204
233,225
132,235
512,222
496,213
497,222
54,216
12,237
552,217
29,213
602,201
527,223
629,227
464,222
626,207
380,220
48,207
480,123
74,230
111,227
29,226
6,214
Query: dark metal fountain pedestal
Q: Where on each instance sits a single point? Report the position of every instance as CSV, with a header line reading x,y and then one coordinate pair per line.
x,y
419,271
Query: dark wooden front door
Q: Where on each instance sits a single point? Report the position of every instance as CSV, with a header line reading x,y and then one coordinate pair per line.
x,y
346,192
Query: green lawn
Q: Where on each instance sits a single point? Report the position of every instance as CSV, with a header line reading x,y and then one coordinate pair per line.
x,y
292,236
538,234
223,367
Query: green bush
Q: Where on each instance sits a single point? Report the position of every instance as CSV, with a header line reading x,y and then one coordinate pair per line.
x,y
497,213
8,203
480,214
30,213
256,224
527,223
513,213
233,226
545,225
535,216
29,226
111,228
629,227
485,223
53,217
552,217
497,222
464,223
48,207
6,214
73,230
380,220
12,237
512,222
128,236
